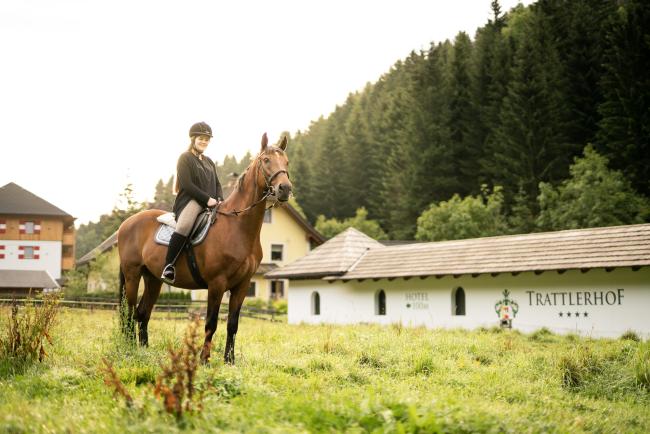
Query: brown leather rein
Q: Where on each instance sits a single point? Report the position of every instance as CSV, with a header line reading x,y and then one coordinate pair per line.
x,y
268,192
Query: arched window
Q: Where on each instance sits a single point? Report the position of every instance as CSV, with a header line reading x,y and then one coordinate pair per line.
x,y
458,301
315,303
380,302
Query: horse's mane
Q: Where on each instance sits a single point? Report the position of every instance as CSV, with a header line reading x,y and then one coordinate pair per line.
x,y
242,177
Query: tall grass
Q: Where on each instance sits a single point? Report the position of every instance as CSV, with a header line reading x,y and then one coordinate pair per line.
x,y
311,378
578,366
27,329
642,365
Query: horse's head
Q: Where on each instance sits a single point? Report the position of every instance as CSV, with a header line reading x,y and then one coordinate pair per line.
x,y
274,166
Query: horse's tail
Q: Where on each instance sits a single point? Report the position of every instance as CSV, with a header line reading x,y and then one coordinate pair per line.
x,y
122,286
122,306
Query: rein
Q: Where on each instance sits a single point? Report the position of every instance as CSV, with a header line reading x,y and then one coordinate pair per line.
x,y
268,192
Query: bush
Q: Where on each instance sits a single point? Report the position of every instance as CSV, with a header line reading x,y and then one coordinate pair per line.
x,y
281,306
332,227
257,303
76,282
630,336
28,329
459,218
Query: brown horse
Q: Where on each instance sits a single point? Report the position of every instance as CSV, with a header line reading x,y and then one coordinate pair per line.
x,y
227,258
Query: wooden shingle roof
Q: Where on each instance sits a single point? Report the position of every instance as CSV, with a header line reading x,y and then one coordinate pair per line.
x,y
105,245
609,247
334,257
34,279
15,200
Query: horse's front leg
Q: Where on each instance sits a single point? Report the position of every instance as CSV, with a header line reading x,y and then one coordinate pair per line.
x,y
237,296
215,295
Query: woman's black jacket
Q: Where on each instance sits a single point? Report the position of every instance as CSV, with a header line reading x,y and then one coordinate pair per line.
x,y
197,179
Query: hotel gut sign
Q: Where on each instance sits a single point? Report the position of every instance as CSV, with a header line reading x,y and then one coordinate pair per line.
x,y
591,281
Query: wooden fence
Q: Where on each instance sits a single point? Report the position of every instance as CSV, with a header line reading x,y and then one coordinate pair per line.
x,y
172,308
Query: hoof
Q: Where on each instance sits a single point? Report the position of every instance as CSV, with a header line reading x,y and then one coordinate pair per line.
x,y
205,354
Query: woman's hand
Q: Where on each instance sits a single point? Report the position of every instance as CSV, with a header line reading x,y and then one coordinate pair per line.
x,y
212,202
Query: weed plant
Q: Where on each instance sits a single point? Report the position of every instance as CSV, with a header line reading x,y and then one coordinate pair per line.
x,y
26,331
176,385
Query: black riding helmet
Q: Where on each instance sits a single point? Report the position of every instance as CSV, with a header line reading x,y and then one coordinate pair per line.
x,y
200,129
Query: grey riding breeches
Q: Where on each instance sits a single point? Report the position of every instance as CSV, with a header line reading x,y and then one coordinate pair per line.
x,y
188,217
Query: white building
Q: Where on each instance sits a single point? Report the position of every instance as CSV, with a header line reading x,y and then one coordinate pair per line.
x,y
36,239
591,281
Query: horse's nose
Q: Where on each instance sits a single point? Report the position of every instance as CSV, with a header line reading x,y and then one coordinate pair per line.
x,y
284,191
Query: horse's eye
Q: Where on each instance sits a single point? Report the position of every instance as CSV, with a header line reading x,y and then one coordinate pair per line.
x,y
267,160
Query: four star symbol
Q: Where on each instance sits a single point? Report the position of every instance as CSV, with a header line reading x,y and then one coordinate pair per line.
x,y
576,314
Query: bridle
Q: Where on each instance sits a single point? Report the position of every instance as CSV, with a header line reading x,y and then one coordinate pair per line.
x,y
266,193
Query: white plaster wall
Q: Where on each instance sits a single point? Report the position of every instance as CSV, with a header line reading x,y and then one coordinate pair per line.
x,y
431,301
49,257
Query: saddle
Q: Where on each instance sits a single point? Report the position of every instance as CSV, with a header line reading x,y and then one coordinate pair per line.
x,y
197,234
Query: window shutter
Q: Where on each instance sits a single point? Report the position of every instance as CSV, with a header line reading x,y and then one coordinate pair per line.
x,y
36,249
2,252
37,227
3,226
21,255
21,228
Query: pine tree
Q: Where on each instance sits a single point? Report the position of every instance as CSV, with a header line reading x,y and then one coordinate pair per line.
x,y
624,130
465,148
530,145
491,63
330,168
578,28
301,177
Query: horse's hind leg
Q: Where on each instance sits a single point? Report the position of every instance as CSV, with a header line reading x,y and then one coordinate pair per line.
x,y
131,279
237,296
151,292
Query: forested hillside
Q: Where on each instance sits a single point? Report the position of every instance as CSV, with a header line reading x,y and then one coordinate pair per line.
x,y
512,106
539,121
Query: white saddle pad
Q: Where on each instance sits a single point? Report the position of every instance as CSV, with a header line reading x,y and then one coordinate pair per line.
x,y
168,226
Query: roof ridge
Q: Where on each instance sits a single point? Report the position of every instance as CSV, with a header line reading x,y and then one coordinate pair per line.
x,y
17,200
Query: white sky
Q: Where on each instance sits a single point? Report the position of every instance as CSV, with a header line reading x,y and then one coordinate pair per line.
x,y
95,94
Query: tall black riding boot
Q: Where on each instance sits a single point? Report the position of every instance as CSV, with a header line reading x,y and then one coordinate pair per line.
x,y
176,244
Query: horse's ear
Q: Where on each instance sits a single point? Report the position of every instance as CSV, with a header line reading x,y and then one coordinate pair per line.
x,y
283,143
265,142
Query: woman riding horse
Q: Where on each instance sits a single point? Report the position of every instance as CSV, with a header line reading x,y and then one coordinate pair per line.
x,y
226,259
197,187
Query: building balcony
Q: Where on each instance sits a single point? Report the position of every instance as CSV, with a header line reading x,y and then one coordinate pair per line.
x,y
68,237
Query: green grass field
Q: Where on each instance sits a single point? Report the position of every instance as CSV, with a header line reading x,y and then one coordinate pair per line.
x,y
331,379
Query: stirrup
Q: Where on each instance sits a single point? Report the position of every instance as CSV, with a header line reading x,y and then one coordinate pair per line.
x,y
169,274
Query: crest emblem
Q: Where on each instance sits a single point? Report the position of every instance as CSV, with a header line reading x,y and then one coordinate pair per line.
x,y
506,309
